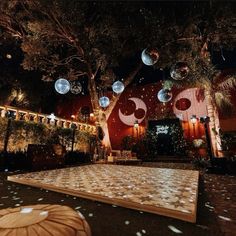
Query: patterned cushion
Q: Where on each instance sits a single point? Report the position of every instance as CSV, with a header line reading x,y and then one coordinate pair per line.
x,y
116,153
126,154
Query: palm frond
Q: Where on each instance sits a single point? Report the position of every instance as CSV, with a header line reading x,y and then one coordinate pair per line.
x,y
168,84
223,101
228,83
202,75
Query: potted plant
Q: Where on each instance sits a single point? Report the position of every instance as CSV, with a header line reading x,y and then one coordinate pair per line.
x,y
200,146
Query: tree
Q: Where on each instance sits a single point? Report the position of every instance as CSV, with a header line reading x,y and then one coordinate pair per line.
x,y
90,40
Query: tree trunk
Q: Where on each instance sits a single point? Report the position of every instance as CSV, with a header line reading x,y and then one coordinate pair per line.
x,y
127,81
214,124
102,120
101,115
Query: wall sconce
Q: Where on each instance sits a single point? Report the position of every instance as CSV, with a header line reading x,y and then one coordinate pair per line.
x,y
193,119
136,125
205,119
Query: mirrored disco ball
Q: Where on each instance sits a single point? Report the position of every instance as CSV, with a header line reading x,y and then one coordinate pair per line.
x,y
104,101
179,71
164,95
75,87
62,86
118,87
149,56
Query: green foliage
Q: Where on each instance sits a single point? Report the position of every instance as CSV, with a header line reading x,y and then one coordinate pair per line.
x,y
127,142
61,136
178,141
3,127
168,84
21,130
146,145
228,140
41,134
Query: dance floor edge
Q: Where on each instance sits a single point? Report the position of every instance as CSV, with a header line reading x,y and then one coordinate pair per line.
x,y
167,192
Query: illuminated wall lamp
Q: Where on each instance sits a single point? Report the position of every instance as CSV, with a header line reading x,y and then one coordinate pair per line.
x,y
136,125
193,119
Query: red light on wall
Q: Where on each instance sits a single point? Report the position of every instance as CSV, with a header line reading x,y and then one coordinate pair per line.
x,y
183,104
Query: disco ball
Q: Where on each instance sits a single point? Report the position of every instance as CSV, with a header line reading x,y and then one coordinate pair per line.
x,y
104,101
75,87
62,86
118,87
150,56
164,95
179,71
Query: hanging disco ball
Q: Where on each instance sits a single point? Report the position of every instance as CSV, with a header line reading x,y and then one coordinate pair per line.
x,y
118,87
164,95
75,87
104,101
179,71
149,56
62,86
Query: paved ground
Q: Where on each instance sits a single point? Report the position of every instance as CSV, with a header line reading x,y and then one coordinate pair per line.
x,y
216,208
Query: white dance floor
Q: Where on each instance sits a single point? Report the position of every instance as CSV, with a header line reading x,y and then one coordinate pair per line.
x,y
168,192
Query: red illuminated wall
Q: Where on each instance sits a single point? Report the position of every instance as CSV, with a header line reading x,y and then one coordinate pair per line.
x,y
155,110
141,103
66,109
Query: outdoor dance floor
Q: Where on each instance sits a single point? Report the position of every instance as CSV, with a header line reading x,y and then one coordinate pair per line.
x,y
168,192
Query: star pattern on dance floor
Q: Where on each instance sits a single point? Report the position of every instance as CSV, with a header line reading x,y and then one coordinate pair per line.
x,y
170,189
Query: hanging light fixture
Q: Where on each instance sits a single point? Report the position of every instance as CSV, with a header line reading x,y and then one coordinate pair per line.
x,y
164,95
62,86
118,87
104,101
149,56
179,71
75,87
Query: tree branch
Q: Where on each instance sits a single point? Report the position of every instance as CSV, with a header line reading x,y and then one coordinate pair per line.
x,y
6,23
92,87
127,81
181,39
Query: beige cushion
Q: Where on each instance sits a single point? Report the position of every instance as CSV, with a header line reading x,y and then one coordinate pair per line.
x,y
45,220
126,154
116,153
110,158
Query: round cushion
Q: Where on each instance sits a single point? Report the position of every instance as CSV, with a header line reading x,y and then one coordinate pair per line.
x,y
46,220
